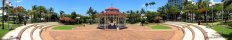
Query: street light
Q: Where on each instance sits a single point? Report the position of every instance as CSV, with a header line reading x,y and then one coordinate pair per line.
x,y
181,13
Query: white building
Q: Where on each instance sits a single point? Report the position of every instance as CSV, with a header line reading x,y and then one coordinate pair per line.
x,y
1,13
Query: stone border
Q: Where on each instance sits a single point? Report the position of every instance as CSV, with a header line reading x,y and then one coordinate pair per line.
x,y
43,30
179,28
32,31
203,31
21,32
193,33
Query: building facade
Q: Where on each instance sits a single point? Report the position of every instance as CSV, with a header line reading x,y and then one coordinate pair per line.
x,y
177,3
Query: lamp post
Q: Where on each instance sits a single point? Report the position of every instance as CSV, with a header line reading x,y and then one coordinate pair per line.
x,y
142,22
181,13
211,5
78,19
25,20
145,19
222,17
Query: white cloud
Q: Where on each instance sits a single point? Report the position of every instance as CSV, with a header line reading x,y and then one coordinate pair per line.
x,y
143,6
151,9
19,1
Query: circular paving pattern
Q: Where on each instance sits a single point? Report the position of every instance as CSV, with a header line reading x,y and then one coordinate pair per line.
x,y
133,32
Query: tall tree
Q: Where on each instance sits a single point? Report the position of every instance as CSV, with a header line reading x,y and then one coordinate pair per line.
x,y
73,15
41,10
62,13
189,10
203,6
49,14
146,4
20,12
225,5
34,7
163,11
142,11
91,13
173,10
152,5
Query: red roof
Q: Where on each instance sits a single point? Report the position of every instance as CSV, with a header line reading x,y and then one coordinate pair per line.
x,y
112,13
111,8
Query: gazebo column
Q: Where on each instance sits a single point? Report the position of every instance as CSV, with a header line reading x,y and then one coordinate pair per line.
x,y
105,21
118,27
124,21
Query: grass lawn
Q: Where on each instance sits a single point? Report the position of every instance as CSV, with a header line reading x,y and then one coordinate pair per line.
x,y
159,26
227,31
6,30
65,27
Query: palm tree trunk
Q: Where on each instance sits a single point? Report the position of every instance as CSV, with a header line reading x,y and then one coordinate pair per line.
x,y
40,17
205,18
3,11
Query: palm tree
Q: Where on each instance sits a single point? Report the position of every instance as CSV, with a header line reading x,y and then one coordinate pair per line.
x,y
50,13
152,4
73,15
217,9
61,13
142,11
3,11
162,11
189,8
91,13
41,9
34,7
203,6
173,10
146,4
225,5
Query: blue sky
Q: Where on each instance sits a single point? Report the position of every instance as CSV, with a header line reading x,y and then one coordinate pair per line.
x,y
81,6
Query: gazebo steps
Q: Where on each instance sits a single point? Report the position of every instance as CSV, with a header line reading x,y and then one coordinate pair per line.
x,y
111,27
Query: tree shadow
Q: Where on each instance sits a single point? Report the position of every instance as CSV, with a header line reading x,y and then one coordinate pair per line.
x,y
228,36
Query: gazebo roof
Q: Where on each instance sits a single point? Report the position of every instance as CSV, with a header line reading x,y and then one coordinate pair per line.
x,y
109,12
111,8
112,13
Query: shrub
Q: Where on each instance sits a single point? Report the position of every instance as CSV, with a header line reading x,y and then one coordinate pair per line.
x,y
229,23
67,20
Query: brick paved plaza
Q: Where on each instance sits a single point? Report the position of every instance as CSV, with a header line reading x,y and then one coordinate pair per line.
x,y
133,32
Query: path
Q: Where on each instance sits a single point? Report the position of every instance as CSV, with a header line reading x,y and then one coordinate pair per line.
x,y
14,32
27,32
212,34
200,32
188,34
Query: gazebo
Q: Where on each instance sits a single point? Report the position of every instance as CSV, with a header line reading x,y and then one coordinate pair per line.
x,y
112,18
